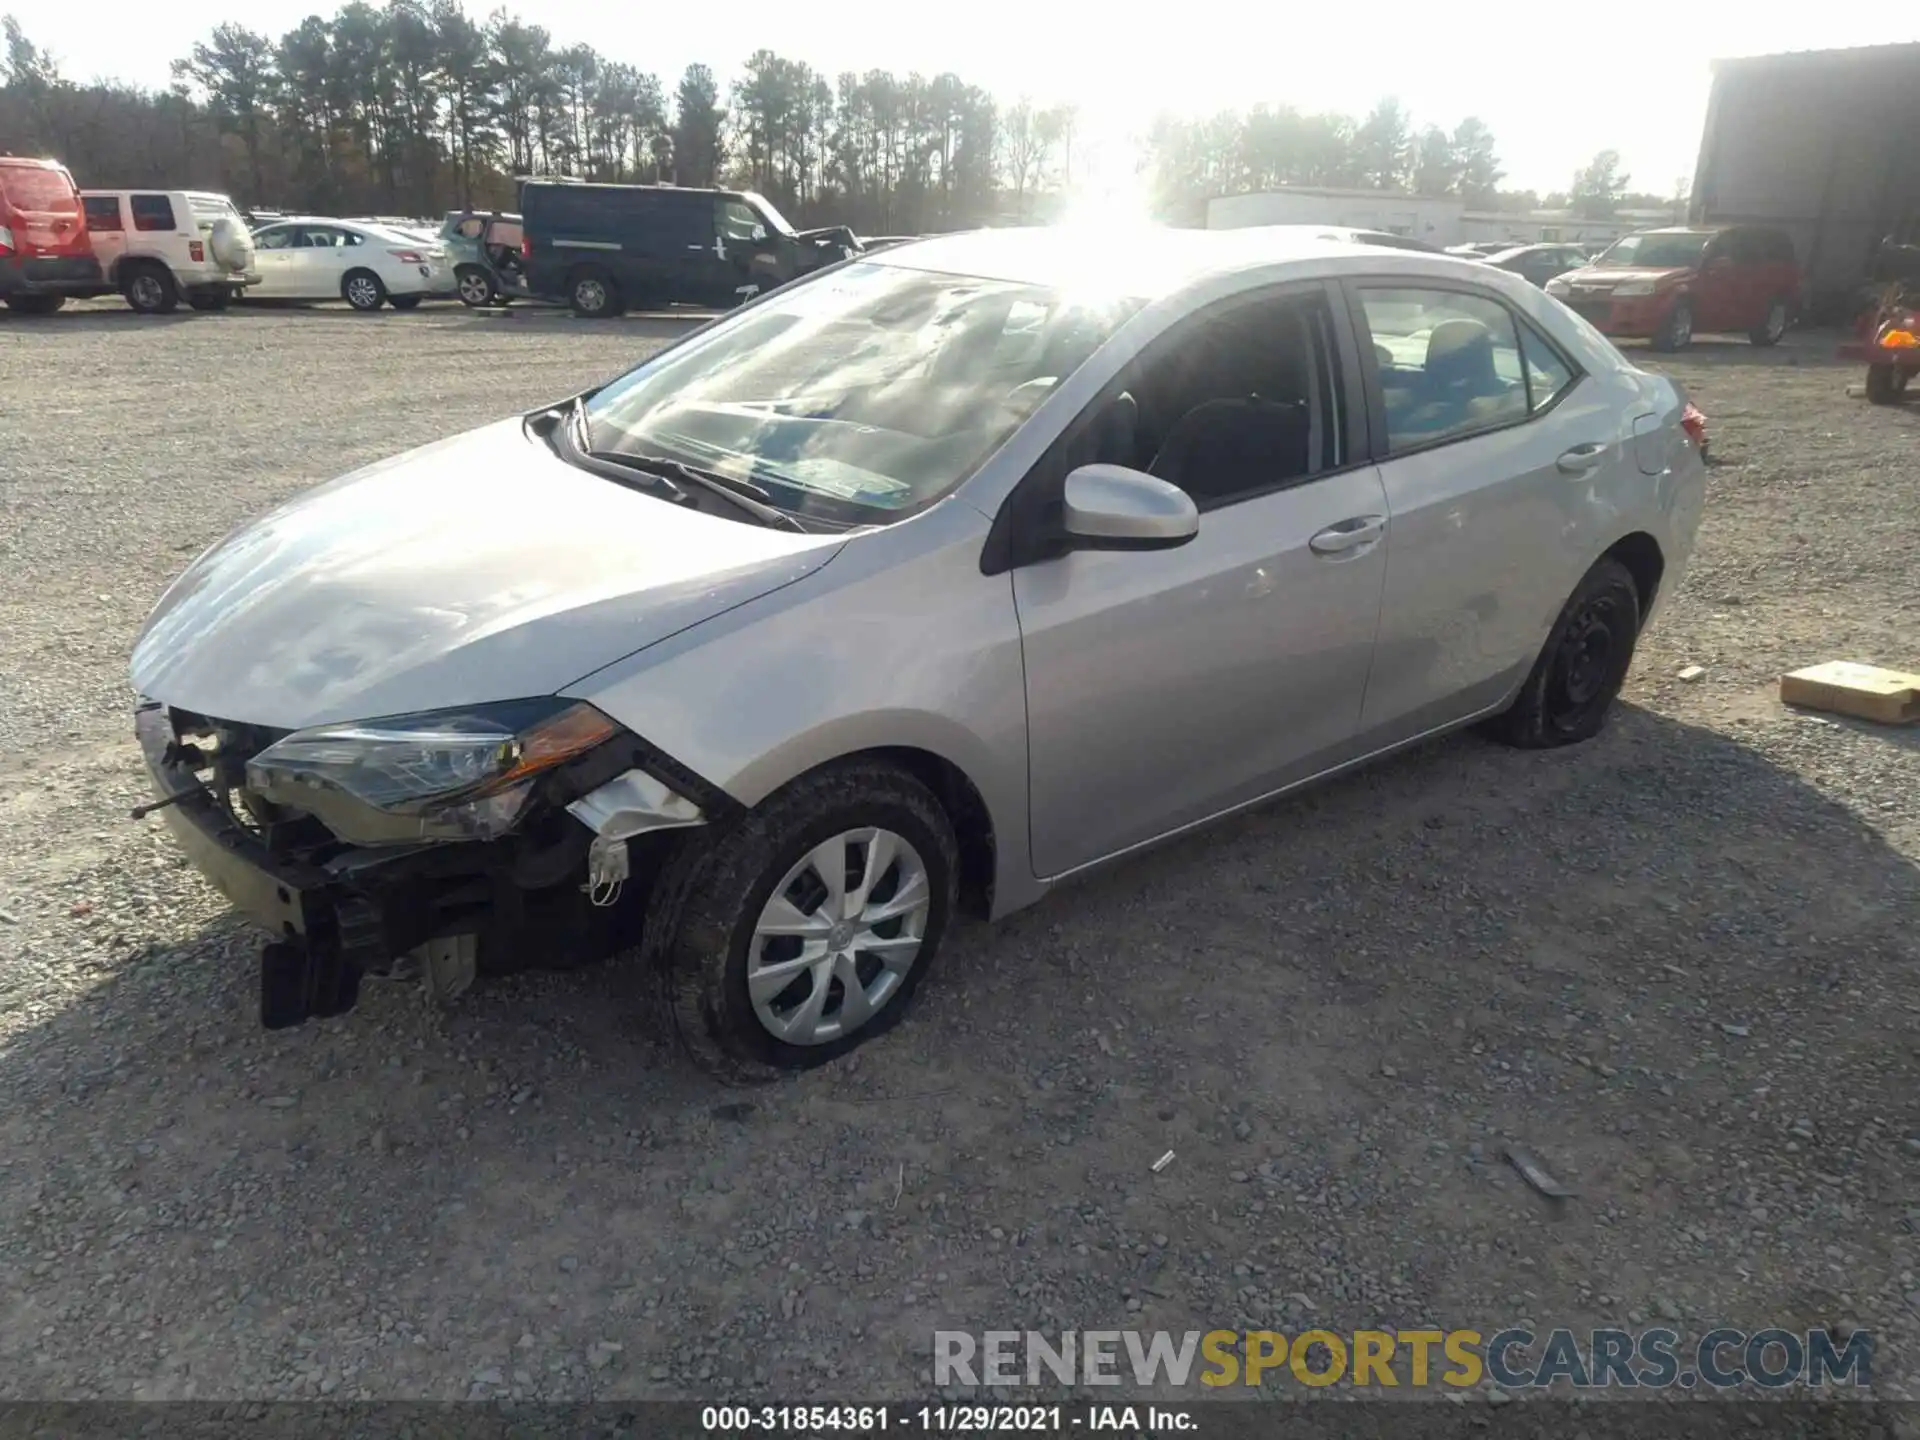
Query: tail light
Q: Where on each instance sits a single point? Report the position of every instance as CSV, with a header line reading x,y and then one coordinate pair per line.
x,y
407,257
526,247
1695,424
196,251
1902,332
6,241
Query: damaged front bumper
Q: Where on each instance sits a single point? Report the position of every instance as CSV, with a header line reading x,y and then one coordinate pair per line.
x,y
440,911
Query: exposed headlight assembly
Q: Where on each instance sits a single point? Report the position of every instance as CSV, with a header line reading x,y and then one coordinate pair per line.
x,y
1631,288
463,774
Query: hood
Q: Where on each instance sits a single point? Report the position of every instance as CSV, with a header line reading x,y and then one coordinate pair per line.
x,y
1598,277
476,569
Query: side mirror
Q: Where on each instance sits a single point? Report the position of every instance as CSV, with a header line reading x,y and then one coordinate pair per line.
x,y
759,234
1110,507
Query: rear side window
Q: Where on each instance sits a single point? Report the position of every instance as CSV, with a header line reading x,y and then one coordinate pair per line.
x,y
1449,364
103,214
151,212
211,207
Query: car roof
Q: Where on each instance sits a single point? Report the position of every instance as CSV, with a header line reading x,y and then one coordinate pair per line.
x,y
1150,261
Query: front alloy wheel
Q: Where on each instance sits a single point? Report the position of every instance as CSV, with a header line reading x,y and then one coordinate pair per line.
x,y
790,934
838,936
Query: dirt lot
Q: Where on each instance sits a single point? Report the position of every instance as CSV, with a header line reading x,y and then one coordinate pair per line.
x,y
1678,964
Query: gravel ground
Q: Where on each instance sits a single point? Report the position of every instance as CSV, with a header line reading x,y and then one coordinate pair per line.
x,y
1677,964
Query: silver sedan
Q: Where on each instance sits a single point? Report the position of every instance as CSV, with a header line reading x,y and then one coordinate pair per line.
x,y
914,586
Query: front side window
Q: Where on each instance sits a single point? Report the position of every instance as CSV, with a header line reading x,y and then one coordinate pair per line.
x,y
103,214
274,237
770,217
1449,364
735,221
151,212
859,396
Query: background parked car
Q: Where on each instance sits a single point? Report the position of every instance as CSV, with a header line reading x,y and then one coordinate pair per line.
x,y
156,246
45,253
366,265
1665,285
1480,249
604,249
1538,263
483,246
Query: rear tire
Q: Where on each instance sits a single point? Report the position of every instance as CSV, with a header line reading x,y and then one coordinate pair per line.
x,y
150,289
594,295
476,287
363,290
1579,672
1770,330
35,304
1676,332
704,928
211,300
1886,384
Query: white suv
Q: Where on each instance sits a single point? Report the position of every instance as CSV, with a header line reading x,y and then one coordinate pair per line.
x,y
157,245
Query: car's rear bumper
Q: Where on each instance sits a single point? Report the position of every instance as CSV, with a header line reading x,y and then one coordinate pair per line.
x,y
51,275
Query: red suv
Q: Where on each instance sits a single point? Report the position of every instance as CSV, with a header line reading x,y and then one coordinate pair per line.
x,y
1666,285
45,252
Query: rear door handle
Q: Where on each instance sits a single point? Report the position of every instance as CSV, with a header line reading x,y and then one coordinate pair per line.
x,y
1348,535
1582,458
696,247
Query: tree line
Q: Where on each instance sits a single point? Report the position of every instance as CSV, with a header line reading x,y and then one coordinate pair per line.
x,y
414,107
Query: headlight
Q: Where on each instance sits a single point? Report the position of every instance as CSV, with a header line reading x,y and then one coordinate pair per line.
x,y
1630,288
445,775
1557,286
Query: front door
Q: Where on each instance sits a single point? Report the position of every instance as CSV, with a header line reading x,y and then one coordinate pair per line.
x,y
1164,687
273,258
1492,454
1718,301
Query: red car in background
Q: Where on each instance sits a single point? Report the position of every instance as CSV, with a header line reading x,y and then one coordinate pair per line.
x,y
1669,285
45,252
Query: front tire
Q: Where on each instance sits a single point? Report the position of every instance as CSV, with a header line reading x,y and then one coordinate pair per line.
x,y
803,928
363,290
150,290
35,304
594,295
405,302
1886,384
211,300
1676,332
1770,330
1578,674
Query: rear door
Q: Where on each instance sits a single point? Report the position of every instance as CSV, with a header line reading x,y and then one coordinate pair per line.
x,y
318,262
1493,449
107,224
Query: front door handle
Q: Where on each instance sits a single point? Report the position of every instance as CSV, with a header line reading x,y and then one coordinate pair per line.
x,y
1348,535
696,247
1582,458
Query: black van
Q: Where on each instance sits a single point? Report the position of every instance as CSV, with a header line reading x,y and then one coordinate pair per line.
x,y
604,249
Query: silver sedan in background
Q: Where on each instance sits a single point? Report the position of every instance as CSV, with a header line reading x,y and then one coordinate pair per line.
x,y
917,585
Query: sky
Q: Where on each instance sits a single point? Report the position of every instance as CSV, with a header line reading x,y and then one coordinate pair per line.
x,y
1555,86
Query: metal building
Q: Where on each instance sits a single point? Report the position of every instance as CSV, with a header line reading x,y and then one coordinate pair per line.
x,y
1824,144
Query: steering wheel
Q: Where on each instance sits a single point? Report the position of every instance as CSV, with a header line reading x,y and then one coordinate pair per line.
x,y
1025,398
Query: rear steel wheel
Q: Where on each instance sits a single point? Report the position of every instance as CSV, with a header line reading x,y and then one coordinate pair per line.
x,y
1579,672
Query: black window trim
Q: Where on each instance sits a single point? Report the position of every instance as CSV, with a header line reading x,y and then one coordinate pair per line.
x,y
1376,397
1020,533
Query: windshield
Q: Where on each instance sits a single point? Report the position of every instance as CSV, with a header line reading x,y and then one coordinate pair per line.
x,y
1652,251
860,396
776,222
36,188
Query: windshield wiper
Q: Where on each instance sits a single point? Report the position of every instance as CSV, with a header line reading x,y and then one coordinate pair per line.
x,y
669,478
744,495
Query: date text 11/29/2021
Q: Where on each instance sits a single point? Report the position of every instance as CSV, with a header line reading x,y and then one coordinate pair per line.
x,y
940,1419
